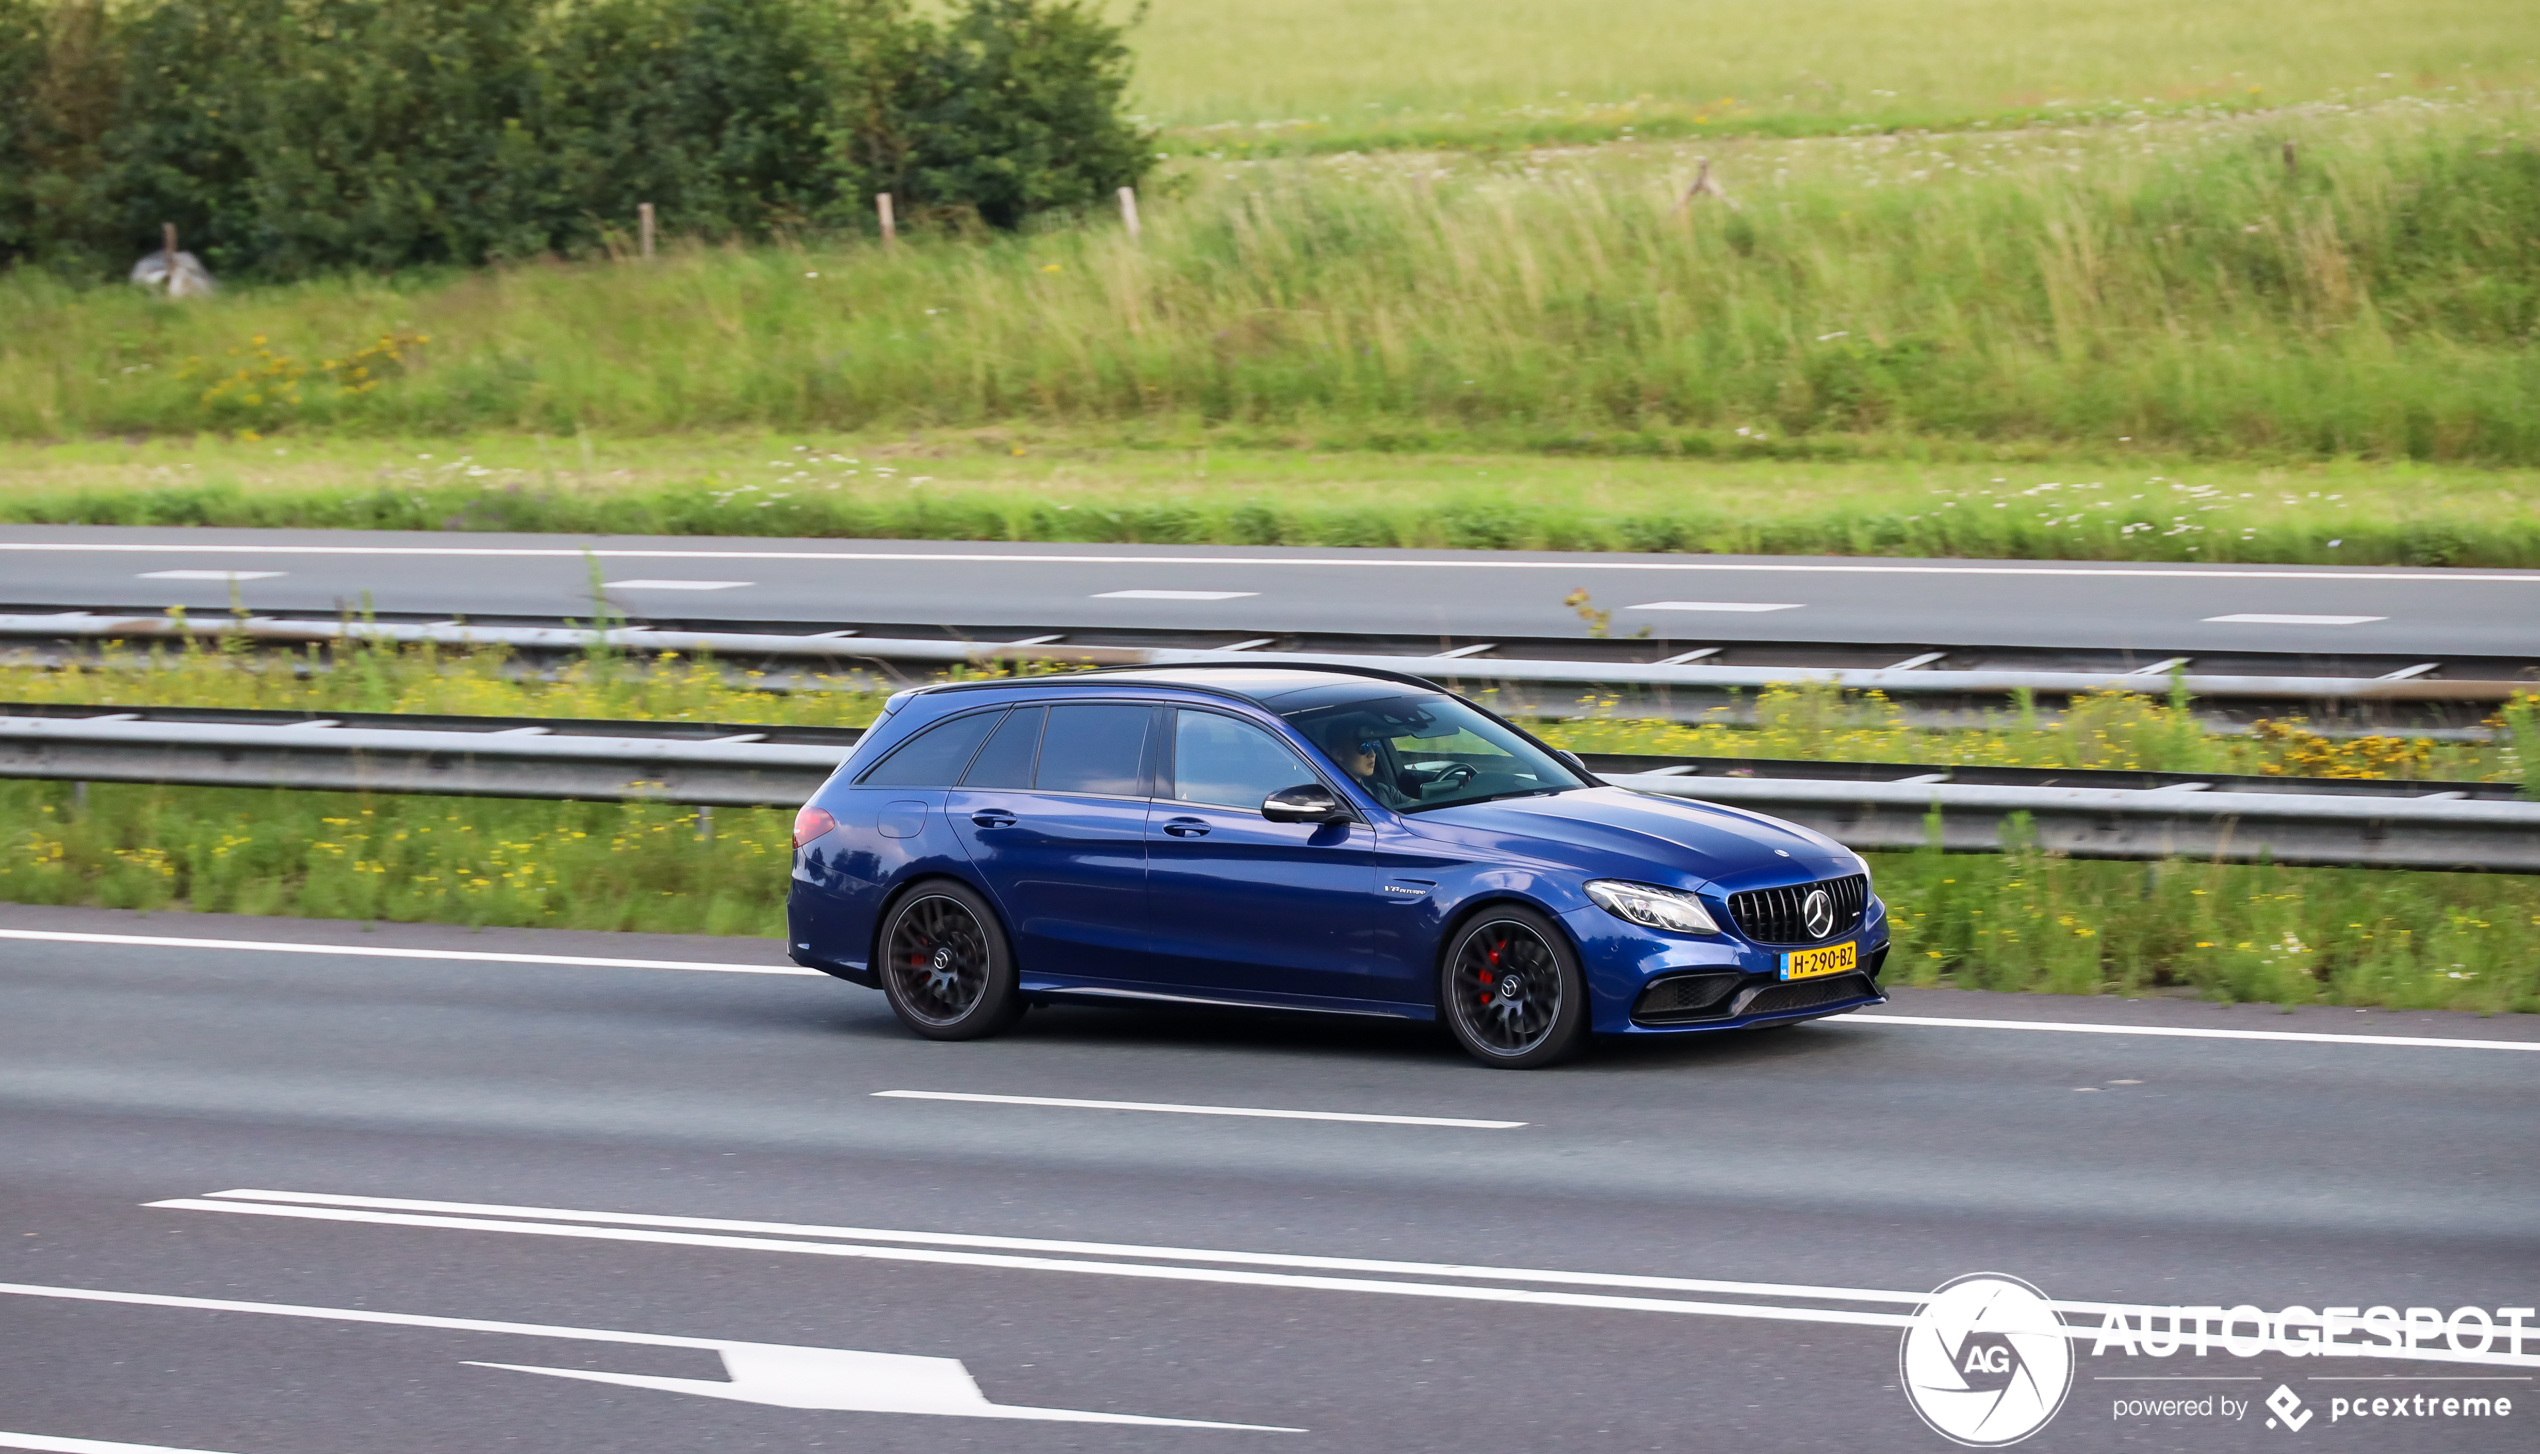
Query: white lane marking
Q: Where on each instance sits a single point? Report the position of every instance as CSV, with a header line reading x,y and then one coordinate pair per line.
x,y
50,1444
1716,606
846,1381
516,552
2312,1037
2103,1311
1093,1249
771,1373
675,585
2268,618
1173,595
369,951
210,575
1178,1110
1451,1291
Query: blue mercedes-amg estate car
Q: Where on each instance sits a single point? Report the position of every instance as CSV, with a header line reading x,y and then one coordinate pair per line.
x,y
1305,839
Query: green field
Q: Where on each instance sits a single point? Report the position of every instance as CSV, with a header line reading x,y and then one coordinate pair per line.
x,y
1025,483
1334,73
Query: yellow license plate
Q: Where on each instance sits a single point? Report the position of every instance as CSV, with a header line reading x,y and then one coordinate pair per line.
x,y
1810,963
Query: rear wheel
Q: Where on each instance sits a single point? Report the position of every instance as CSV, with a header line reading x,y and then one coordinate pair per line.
x,y
1512,990
946,966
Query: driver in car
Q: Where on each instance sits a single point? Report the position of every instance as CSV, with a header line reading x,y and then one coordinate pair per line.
x,y
1361,752
1359,747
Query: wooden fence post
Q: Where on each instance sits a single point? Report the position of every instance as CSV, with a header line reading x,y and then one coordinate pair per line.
x,y
644,227
1129,211
890,228
167,256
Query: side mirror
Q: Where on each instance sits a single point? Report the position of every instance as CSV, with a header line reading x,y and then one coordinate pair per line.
x,y
1308,803
1576,763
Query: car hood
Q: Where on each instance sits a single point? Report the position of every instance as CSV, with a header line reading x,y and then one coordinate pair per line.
x,y
1706,840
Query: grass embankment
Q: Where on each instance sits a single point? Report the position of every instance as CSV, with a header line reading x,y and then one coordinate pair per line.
x,y
1335,74
1033,484
2016,921
2134,288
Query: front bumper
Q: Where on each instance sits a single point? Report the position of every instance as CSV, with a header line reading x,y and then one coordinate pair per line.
x,y
1644,982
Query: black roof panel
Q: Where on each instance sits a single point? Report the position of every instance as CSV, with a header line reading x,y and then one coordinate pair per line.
x,y
1261,684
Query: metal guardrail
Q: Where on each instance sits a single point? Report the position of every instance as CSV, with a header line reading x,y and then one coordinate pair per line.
x,y
522,762
2232,827
525,761
1609,764
848,648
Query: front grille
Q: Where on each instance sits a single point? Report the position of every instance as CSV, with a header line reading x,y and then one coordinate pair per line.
x,y
1686,997
1806,995
1778,916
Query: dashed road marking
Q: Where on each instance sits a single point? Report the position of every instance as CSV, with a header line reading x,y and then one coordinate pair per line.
x,y
1147,595
1170,1109
1718,606
2271,618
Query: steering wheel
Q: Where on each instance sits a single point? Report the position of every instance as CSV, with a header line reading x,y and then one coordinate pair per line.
x,y
1455,775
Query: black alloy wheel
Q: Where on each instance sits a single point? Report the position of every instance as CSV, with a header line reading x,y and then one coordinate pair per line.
x,y
1512,990
946,967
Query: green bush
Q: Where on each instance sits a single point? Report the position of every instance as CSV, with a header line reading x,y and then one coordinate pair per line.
x,y
292,137
1012,109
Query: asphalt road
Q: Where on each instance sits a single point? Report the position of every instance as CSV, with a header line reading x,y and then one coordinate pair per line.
x,y
1811,1182
1467,595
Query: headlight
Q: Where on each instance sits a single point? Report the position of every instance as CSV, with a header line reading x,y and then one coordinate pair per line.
x,y
1655,907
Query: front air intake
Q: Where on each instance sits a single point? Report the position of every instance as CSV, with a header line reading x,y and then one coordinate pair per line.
x,y
1686,997
1781,999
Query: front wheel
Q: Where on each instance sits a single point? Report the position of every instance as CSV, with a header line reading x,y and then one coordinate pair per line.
x,y
946,966
1512,990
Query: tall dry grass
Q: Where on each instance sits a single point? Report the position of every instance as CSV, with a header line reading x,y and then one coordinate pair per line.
x,y
2172,285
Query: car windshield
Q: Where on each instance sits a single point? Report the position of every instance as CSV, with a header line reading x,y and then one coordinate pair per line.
x,y
1414,753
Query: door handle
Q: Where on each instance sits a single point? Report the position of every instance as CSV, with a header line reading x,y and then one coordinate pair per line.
x,y
993,818
1187,828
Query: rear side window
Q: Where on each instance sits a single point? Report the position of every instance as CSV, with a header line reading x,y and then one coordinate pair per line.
x,y
935,757
1229,763
1006,762
1094,747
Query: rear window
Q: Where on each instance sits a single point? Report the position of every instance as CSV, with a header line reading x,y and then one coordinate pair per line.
x,y
935,757
1006,762
1094,747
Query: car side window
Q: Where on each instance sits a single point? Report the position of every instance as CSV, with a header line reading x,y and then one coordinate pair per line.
x,y
1220,761
934,757
1006,762
1094,747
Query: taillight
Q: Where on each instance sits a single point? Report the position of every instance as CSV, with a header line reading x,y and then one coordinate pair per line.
x,y
810,823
